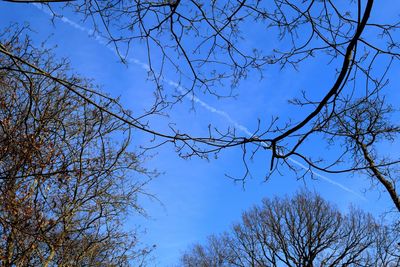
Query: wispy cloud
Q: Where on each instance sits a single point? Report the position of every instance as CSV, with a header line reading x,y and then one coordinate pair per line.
x,y
192,97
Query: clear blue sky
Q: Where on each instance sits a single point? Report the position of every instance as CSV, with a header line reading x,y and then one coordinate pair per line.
x,y
197,198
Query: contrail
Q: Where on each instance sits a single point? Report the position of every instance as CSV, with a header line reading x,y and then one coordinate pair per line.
x,y
210,108
328,180
192,97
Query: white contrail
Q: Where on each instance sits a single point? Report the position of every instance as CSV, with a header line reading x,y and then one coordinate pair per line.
x,y
210,108
327,179
192,97
146,67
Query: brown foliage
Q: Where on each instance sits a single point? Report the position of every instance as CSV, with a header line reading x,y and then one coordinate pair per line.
x,y
67,179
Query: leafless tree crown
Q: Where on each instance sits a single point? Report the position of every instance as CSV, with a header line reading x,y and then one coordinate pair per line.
x,y
303,231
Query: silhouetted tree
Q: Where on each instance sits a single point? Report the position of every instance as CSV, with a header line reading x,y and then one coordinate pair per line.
x,y
67,178
302,231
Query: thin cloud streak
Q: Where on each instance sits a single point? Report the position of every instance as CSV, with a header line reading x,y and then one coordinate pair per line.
x,y
193,98
328,180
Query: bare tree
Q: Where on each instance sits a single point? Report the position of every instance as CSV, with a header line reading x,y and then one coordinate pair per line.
x,y
203,42
36,1
302,231
67,178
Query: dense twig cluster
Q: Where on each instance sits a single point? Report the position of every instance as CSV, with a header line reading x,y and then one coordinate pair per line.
x,y
67,179
304,231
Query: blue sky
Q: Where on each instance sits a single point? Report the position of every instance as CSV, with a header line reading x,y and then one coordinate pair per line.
x,y
197,199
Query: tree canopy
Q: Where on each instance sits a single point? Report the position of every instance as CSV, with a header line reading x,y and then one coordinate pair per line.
x,y
302,231
66,182
68,177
